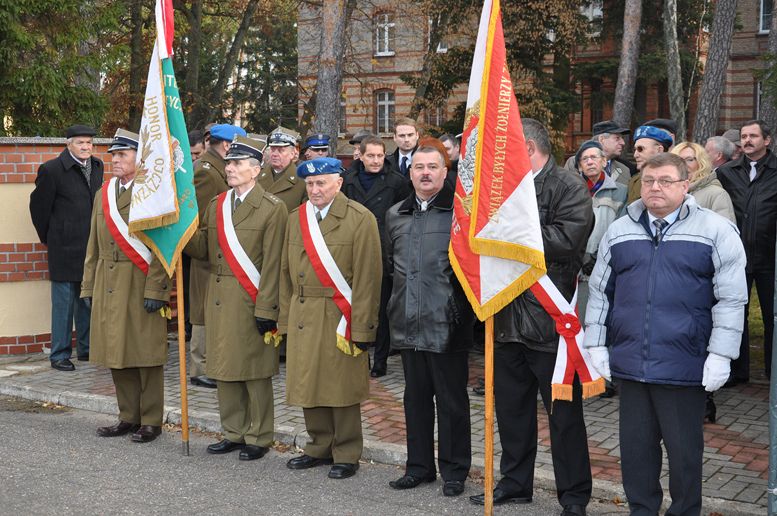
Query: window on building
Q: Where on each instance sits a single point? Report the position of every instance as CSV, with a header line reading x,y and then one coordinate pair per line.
x,y
442,46
384,111
384,34
435,116
342,117
766,15
593,12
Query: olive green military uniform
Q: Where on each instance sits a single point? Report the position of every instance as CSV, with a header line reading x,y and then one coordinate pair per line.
x,y
635,187
238,358
123,336
209,181
286,187
326,382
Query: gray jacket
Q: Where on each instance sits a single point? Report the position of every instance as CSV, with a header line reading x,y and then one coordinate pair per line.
x,y
427,305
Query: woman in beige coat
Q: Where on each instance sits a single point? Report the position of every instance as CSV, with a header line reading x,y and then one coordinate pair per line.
x,y
239,358
128,334
704,187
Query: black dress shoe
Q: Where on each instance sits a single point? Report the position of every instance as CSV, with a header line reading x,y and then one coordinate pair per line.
x,y
120,428
224,446
204,381
500,497
573,510
343,470
306,461
453,488
146,434
378,371
63,365
83,358
409,481
251,452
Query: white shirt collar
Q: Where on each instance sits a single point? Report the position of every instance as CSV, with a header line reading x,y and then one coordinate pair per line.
x,y
79,161
670,219
127,184
242,197
323,211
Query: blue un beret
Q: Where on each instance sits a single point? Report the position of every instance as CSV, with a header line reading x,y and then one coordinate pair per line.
x,y
319,167
654,133
226,132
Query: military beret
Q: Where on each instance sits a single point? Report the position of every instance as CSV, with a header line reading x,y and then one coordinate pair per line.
x,y
317,141
123,140
609,127
359,136
653,133
281,137
226,132
243,148
79,130
319,167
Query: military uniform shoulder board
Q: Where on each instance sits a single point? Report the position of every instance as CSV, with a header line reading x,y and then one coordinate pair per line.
x,y
274,199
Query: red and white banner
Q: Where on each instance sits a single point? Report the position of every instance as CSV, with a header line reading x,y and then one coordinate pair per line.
x,y
135,250
328,274
496,242
239,262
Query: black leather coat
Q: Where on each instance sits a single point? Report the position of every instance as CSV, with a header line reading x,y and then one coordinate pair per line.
x,y
61,210
566,220
428,310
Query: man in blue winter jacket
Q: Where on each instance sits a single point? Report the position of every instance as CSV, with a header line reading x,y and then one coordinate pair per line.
x,y
665,317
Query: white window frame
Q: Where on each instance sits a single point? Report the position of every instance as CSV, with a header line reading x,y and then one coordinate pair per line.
x,y
442,45
385,109
764,28
384,34
435,115
592,12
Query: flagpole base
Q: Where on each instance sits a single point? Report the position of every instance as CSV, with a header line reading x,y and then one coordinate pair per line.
x,y
185,448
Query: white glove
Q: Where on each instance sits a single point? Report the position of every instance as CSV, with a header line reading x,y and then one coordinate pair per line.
x,y
600,359
716,372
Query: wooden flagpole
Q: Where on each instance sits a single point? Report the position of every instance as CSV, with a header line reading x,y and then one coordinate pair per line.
x,y
489,422
182,356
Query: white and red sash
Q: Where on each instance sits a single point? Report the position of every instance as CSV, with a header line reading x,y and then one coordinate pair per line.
x,y
328,274
572,357
239,262
135,250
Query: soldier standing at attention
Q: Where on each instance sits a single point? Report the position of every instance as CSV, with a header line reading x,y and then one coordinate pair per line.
x,y
210,179
279,177
330,289
241,238
126,287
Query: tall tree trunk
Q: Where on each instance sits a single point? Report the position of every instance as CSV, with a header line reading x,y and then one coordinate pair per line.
x,y
708,108
191,82
436,32
627,71
329,82
674,73
136,66
230,61
768,110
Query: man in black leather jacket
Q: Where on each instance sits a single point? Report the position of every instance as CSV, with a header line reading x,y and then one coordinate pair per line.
x,y
527,342
427,311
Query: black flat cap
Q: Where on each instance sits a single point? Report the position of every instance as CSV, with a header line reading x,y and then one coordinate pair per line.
x,y
610,127
663,123
79,130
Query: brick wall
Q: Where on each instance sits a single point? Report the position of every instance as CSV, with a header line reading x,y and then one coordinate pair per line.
x,y
22,262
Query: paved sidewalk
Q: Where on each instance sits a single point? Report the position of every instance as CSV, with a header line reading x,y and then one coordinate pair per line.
x,y
735,455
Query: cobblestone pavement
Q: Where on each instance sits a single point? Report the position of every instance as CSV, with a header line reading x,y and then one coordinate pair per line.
x,y
735,454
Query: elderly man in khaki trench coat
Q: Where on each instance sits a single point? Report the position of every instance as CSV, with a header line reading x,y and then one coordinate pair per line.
x,y
126,291
326,370
242,239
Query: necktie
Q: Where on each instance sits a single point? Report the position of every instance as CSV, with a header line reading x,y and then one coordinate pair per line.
x,y
424,205
403,166
319,218
237,202
122,189
86,170
608,168
660,224
753,171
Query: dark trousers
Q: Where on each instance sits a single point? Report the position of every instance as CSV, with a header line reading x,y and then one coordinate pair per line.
x,y
66,304
519,372
648,414
764,285
441,379
383,338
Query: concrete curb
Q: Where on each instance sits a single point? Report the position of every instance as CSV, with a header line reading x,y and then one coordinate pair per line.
x,y
375,451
